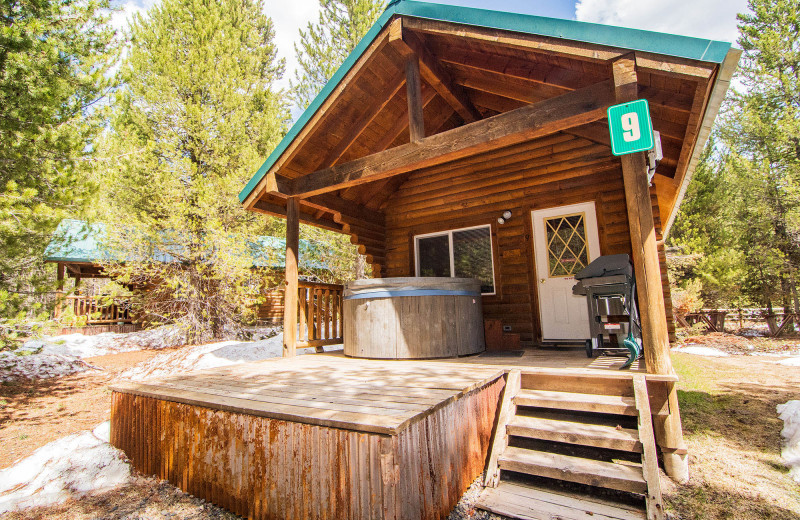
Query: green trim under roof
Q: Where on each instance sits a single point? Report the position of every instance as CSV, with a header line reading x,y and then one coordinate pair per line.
x,y
665,44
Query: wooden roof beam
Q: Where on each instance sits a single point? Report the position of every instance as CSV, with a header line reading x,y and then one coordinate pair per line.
x,y
276,210
529,122
409,44
358,128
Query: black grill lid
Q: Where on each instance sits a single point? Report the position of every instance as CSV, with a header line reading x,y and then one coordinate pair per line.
x,y
609,265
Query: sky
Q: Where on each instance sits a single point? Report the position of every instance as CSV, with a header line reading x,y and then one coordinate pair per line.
x,y
713,19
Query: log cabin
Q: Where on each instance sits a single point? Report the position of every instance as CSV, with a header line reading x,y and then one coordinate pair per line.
x,y
80,251
471,147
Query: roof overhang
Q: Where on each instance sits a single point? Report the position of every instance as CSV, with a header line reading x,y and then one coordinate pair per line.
x,y
613,38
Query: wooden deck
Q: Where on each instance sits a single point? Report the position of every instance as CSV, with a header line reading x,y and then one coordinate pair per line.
x,y
327,436
317,436
329,390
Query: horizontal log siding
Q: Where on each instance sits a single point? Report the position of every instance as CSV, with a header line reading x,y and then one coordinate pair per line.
x,y
271,310
552,171
270,469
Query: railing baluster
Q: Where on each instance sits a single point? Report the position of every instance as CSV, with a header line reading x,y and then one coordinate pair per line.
x,y
301,302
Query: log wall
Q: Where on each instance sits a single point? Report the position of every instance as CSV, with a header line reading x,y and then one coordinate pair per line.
x,y
556,170
271,310
265,468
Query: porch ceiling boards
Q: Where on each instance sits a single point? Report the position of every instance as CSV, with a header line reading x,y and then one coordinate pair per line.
x,y
361,395
469,75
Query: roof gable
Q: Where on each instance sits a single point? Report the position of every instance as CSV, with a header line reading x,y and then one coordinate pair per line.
x,y
613,37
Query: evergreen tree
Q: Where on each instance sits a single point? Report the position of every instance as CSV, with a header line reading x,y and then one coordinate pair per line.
x,y
742,210
196,117
326,44
54,57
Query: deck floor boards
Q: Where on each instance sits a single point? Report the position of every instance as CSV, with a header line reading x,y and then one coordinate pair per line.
x,y
364,395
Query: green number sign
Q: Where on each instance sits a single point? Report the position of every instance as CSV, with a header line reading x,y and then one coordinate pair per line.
x,y
630,127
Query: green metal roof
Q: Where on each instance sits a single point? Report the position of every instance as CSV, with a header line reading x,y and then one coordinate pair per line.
x,y
619,37
81,242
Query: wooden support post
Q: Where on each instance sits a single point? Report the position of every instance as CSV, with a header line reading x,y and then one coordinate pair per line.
x,y
655,337
291,285
60,288
416,123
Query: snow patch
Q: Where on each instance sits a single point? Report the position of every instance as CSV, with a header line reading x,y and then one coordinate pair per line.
x,y
72,466
702,351
81,346
208,356
13,366
790,415
62,355
790,362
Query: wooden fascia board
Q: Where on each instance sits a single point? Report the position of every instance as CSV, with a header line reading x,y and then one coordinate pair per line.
x,y
379,42
407,44
717,96
529,122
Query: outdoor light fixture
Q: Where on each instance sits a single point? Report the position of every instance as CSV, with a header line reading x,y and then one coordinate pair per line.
x,y
504,218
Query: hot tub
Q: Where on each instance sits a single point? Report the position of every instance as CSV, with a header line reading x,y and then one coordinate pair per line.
x,y
413,318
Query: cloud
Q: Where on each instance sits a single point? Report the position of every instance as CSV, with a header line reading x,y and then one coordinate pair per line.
x,y
713,19
287,19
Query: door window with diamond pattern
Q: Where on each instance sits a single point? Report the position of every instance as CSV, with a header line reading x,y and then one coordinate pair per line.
x,y
566,244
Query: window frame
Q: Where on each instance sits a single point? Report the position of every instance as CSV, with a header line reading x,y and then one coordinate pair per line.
x,y
449,234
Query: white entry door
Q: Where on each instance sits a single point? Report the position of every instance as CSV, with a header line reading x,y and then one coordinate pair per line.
x,y
565,240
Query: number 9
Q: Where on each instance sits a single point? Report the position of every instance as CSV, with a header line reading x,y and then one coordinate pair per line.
x,y
630,127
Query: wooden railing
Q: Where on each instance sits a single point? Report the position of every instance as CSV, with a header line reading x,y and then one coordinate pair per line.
x,y
97,310
778,323
320,308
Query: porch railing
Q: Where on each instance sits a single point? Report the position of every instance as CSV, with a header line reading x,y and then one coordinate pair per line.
x,y
320,309
98,310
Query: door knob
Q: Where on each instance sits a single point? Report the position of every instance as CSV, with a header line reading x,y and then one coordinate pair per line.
x,y
542,280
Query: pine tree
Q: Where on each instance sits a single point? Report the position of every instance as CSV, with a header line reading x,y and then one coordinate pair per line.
x,y
54,57
326,44
742,210
197,116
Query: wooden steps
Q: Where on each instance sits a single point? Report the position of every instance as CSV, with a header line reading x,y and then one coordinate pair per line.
x,y
581,441
609,404
574,469
570,432
535,503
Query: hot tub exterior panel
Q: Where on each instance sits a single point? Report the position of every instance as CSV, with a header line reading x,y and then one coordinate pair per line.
x,y
413,318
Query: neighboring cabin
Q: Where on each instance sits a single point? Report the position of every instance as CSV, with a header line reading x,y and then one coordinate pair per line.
x,y
79,250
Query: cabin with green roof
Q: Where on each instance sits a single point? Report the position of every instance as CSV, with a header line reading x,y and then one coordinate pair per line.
x,y
472,157
80,251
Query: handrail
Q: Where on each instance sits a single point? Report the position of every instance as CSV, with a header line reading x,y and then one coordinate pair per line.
x,y
96,311
320,308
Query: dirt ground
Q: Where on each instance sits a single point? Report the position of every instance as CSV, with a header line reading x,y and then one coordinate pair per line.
x,y
732,431
728,407
35,412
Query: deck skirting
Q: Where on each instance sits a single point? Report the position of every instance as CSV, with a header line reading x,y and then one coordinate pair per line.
x,y
260,467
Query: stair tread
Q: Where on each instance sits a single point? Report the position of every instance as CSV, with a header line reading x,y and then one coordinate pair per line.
x,y
600,403
526,502
574,469
575,433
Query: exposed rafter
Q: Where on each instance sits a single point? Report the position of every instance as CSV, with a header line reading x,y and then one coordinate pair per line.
x,y
359,126
409,44
543,118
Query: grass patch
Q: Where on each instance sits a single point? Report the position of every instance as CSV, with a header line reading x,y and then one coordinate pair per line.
x,y
732,431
